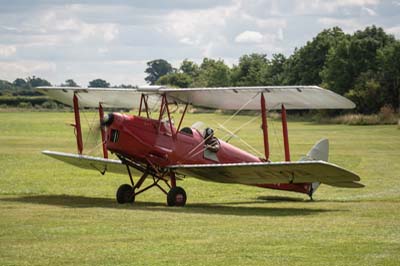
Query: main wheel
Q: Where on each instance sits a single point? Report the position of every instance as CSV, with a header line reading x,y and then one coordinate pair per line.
x,y
125,194
176,197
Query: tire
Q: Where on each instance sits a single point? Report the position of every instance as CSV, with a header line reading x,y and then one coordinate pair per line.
x,y
176,197
125,194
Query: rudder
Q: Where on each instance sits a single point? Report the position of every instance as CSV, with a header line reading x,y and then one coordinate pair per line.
x,y
319,152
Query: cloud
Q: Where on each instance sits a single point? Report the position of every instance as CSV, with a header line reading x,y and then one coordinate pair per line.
x,y
348,25
368,11
24,68
249,37
214,31
329,6
56,22
395,31
7,50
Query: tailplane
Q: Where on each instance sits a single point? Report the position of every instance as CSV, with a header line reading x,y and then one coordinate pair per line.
x,y
319,152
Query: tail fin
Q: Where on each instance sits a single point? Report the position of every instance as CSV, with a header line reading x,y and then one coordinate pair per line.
x,y
320,151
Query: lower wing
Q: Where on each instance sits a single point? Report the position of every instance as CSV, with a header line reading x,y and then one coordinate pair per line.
x,y
272,173
93,163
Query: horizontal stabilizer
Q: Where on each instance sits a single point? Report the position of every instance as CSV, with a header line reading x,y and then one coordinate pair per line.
x,y
92,163
346,184
270,173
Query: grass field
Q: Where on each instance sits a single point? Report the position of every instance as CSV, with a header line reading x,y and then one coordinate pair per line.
x,y
54,214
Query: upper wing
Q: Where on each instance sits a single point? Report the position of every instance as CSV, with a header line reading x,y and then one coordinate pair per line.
x,y
228,98
248,98
93,163
91,97
272,173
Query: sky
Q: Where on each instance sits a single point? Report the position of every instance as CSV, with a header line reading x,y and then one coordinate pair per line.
x,y
113,40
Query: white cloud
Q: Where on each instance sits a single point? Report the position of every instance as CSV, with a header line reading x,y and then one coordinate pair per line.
x,y
249,37
194,25
318,6
62,27
24,68
348,25
7,50
280,34
102,50
394,30
264,22
214,31
368,11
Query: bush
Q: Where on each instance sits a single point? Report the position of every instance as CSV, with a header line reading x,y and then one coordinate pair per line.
x,y
387,115
359,119
17,100
25,105
49,105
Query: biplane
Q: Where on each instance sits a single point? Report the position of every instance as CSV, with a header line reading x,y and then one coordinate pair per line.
x,y
155,149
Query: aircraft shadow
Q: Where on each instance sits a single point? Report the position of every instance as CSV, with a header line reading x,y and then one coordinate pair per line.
x,y
70,201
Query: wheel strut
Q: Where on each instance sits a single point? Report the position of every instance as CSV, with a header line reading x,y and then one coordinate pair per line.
x,y
127,193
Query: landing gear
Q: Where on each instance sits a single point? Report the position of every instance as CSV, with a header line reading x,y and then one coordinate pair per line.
x,y
125,194
176,197
313,187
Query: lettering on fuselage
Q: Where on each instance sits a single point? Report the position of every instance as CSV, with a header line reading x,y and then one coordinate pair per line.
x,y
114,135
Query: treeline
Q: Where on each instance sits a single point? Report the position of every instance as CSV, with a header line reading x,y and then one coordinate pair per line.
x,y
21,92
25,87
364,66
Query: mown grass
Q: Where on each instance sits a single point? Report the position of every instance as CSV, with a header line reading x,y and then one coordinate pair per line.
x,y
54,214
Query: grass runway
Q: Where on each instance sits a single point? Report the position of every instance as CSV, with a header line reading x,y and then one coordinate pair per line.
x,y
54,214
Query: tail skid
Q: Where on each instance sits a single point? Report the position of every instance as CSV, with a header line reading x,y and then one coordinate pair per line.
x,y
320,151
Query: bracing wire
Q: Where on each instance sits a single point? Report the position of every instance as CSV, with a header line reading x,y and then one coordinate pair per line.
x,y
240,109
226,121
241,140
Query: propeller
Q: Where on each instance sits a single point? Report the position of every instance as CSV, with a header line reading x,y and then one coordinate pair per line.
x,y
92,133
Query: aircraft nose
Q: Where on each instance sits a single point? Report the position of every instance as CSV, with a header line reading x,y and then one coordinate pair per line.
x,y
107,119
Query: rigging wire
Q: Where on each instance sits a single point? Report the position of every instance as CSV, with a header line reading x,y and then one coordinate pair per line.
x,y
244,142
226,121
241,108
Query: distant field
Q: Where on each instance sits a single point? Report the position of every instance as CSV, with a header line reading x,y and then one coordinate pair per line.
x,y
54,214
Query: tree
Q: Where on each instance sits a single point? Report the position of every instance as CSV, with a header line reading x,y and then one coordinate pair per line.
x,y
36,82
126,86
337,73
276,72
5,86
70,83
306,63
156,69
353,56
366,93
389,64
213,74
99,83
190,68
20,83
251,71
180,80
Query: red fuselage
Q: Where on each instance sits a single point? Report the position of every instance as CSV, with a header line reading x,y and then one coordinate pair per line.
x,y
143,139
148,140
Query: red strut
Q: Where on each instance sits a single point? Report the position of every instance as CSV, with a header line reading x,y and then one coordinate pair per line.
x,y
77,125
285,134
103,132
264,126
